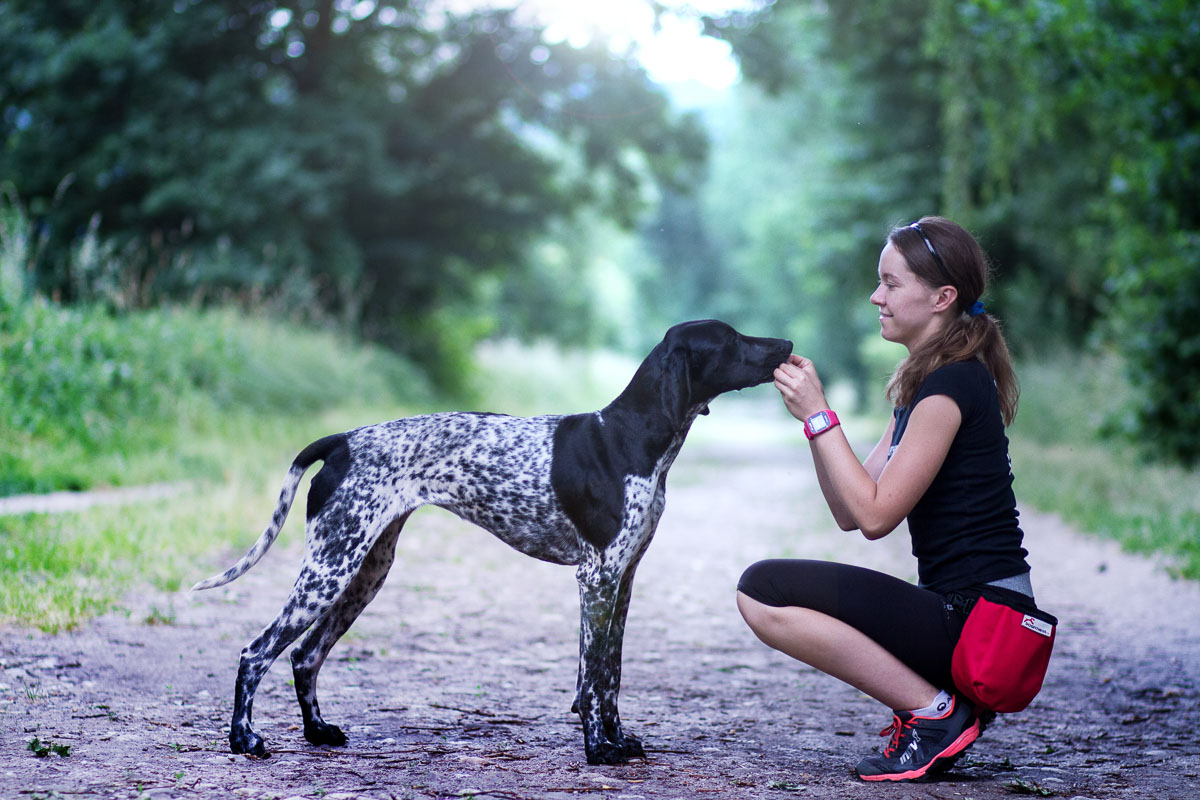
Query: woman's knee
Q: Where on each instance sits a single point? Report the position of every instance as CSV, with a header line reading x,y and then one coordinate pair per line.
x,y
758,580
762,618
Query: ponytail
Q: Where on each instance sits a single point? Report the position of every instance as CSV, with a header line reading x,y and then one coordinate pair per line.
x,y
977,337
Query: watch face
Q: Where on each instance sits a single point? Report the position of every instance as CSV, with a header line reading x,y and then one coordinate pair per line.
x,y
818,422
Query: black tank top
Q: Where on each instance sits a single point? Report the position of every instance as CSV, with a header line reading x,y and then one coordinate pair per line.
x,y
964,528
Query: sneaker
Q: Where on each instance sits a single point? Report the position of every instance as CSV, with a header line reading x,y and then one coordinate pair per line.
x,y
922,745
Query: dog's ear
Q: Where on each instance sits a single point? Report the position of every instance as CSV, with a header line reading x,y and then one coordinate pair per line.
x,y
677,387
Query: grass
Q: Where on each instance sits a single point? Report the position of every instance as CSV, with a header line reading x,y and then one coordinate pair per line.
x,y
514,378
220,400
88,398
60,569
1100,485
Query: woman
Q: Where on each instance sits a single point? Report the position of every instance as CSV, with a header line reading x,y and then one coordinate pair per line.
x,y
943,464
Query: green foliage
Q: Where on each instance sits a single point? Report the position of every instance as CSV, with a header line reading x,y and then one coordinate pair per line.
x,y
546,378
1061,465
1065,135
57,570
367,161
216,399
17,253
800,194
42,749
82,383
1071,132
1157,322
578,289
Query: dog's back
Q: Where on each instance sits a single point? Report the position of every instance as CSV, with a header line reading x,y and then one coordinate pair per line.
x,y
490,469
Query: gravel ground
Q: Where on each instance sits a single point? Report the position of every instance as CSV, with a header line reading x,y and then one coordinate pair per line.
x,y
458,680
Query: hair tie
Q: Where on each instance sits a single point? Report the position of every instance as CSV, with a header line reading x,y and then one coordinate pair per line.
x,y
976,310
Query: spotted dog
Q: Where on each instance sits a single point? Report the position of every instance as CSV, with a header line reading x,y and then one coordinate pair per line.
x,y
583,489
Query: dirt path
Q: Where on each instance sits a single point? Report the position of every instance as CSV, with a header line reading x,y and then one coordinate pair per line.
x,y
60,502
458,681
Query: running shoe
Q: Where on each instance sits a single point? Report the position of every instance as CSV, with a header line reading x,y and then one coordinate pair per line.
x,y
921,746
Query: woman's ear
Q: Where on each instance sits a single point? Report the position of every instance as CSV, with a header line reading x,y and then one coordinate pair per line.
x,y
945,298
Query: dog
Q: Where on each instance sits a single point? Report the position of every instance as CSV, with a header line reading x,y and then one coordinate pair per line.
x,y
582,489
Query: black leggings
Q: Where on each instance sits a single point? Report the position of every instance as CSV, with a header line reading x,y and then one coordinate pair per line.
x,y
913,624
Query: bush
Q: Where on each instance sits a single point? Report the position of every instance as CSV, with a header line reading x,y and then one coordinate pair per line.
x,y
87,382
1157,326
1064,464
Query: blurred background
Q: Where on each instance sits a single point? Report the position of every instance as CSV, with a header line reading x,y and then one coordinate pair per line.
x,y
222,221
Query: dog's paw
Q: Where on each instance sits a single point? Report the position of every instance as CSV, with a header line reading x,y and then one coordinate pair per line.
x,y
606,753
324,733
631,746
248,743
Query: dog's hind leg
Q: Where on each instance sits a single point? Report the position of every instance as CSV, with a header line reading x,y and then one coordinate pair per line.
x,y
309,655
330,564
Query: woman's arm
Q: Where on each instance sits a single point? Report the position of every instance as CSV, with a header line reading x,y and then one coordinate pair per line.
x,y
878,457
875,505
873,465
878,507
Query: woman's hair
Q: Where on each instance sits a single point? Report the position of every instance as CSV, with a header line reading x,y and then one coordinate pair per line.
x,y
943,253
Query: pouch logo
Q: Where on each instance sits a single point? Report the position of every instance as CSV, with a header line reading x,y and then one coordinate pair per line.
x,y
1037,626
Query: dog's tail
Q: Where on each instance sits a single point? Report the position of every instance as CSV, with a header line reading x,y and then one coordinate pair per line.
x,y
317,451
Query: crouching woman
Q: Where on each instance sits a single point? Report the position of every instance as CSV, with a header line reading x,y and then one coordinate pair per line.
x,y
942,464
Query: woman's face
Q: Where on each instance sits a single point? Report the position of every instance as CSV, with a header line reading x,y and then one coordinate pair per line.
x,y
907,307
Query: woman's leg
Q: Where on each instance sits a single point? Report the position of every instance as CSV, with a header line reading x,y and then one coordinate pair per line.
x,y
836,648
883,635
890,639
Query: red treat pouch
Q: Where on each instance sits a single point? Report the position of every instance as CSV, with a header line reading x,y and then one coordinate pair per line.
x,y
1001,657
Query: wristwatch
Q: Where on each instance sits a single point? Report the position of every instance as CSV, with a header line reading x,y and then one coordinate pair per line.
x,y
820,422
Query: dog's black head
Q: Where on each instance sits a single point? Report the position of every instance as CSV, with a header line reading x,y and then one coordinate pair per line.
x,y
706,358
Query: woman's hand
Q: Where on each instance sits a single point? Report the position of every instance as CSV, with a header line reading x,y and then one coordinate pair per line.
x,y
798,383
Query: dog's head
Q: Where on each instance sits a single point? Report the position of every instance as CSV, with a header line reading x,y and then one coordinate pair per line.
x,y
706,358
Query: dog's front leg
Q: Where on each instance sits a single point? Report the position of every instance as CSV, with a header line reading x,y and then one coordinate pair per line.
x,y
627,556
630,745
597,602
603,600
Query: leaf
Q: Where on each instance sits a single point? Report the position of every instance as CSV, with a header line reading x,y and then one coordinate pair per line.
x,y
1022,786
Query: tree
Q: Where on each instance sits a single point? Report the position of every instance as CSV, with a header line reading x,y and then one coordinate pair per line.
x,y
837,143
1065,135
1072,130
385,155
